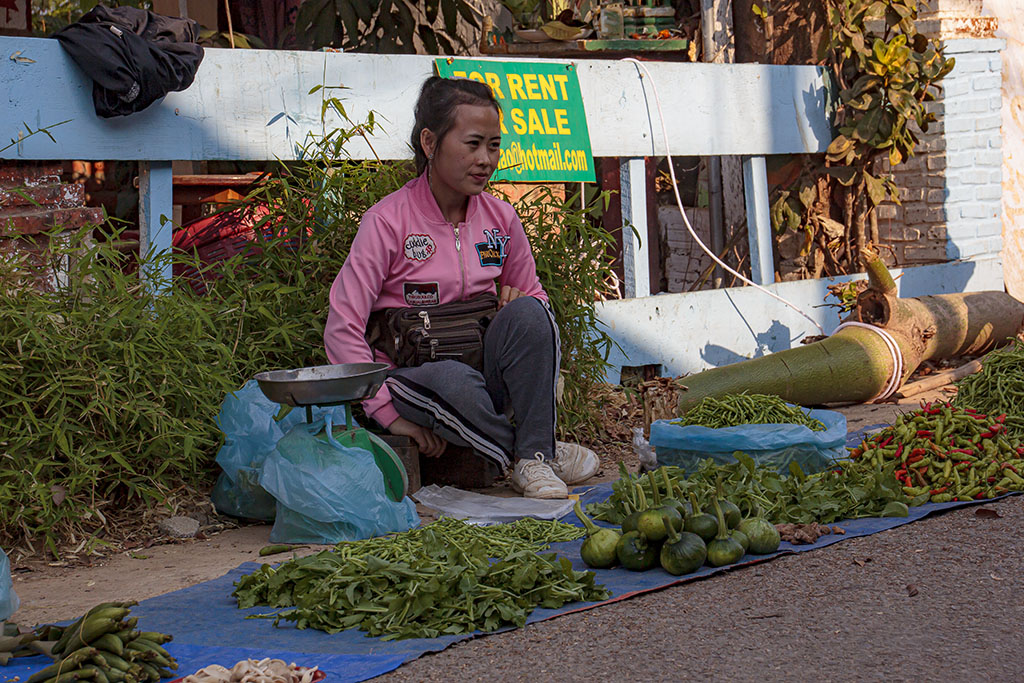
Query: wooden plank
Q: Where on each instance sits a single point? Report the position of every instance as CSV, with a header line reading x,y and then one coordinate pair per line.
x,y
255,104
759,224
633,182
155,213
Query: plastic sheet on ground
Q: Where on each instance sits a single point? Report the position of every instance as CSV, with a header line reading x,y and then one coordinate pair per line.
x,y
208,627
483,509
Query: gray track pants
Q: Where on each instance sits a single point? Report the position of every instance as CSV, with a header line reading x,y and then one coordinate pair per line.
x,y
467,408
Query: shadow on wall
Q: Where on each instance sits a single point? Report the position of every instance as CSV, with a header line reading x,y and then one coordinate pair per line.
x,y
776,338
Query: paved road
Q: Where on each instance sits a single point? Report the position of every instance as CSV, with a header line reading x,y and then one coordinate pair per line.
x,y
841,613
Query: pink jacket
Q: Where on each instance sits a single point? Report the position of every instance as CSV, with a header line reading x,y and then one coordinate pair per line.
x,y
406,254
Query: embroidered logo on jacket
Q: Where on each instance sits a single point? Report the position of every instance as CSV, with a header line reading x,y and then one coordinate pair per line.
x,y
421,293
419,247
492,252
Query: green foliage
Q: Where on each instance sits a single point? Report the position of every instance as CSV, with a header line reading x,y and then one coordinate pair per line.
x,y
885,81
106,393
849,491
386,26
427,582
886,72
49,16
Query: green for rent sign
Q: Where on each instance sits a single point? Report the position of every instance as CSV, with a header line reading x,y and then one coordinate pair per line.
x,y
544,135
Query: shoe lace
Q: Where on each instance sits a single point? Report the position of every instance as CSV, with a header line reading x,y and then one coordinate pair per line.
x,y
531,465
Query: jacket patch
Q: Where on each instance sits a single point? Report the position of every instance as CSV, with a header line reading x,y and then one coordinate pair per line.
x,y
421,293
492,251
419,247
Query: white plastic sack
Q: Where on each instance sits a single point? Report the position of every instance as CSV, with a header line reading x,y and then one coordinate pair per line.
x,y
483,509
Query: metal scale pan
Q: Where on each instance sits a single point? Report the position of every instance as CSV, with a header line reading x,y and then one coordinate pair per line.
x,y
342,384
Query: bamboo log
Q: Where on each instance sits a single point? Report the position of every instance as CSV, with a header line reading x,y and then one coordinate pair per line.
x,y
854,365
940,379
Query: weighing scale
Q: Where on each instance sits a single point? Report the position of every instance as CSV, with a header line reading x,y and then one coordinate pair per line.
x,y
333,385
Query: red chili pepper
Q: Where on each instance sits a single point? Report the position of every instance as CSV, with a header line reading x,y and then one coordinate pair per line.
x,y
914,458
886,442
979,495
937,491
899,451
1008,466
970,410
979,416
1020,450
925,432
966,451
1001,418
991,480
986,435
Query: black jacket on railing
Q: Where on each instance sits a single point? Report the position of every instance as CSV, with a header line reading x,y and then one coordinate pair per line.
x,y
134,57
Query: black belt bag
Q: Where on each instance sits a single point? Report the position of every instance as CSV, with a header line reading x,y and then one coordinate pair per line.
x,y
413,336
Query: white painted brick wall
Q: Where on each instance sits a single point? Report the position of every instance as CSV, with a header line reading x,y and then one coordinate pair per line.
x,y
951,189
973,149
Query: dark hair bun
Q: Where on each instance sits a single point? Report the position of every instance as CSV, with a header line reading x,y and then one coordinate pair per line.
x,y
435,108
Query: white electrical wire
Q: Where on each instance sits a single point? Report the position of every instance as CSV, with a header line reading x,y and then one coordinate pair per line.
x,y
894,349
679,200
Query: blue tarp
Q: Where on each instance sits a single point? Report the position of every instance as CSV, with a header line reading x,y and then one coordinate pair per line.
x,y
208,627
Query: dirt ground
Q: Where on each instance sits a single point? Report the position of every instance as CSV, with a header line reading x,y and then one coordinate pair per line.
x,y
843,612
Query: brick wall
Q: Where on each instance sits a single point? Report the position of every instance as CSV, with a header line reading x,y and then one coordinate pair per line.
x,y
951,189
684,260
33,200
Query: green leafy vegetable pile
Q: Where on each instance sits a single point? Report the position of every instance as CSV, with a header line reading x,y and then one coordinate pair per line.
x,y
430,581
998,389
733,410
851,490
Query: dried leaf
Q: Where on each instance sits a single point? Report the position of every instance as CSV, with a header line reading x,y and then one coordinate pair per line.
x,y
986,513
911,590
58,493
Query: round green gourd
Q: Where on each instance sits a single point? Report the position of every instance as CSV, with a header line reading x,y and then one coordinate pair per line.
x,y
724,549
683,553
598,551
700,523
742,538
635,553
651,525
730,510
764,537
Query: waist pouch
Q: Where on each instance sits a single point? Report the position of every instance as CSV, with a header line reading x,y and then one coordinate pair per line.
x,y
416,335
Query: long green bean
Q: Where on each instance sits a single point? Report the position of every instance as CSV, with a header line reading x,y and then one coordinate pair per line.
x,y
732,410
998,389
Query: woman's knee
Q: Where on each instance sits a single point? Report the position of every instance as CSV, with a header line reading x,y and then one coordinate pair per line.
x,y
526,314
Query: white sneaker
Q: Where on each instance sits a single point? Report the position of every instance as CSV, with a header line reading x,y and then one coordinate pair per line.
x,y
534,479
573,463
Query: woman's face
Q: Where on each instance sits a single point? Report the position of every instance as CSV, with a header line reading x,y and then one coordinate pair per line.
x,y
468,154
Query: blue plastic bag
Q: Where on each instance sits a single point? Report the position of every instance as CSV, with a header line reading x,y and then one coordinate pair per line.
x,y
771,445
9,601
328,493
250,432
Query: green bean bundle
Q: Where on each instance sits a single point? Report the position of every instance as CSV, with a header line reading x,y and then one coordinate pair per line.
x,y
998,389
732,410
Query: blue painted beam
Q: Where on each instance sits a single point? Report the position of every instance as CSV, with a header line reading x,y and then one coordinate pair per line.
x,y
255,105
156,194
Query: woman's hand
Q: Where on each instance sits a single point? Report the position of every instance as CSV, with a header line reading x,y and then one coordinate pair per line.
x,y
508,294
429,443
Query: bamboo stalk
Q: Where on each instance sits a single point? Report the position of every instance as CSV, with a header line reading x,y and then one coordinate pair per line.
x,y
940,379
